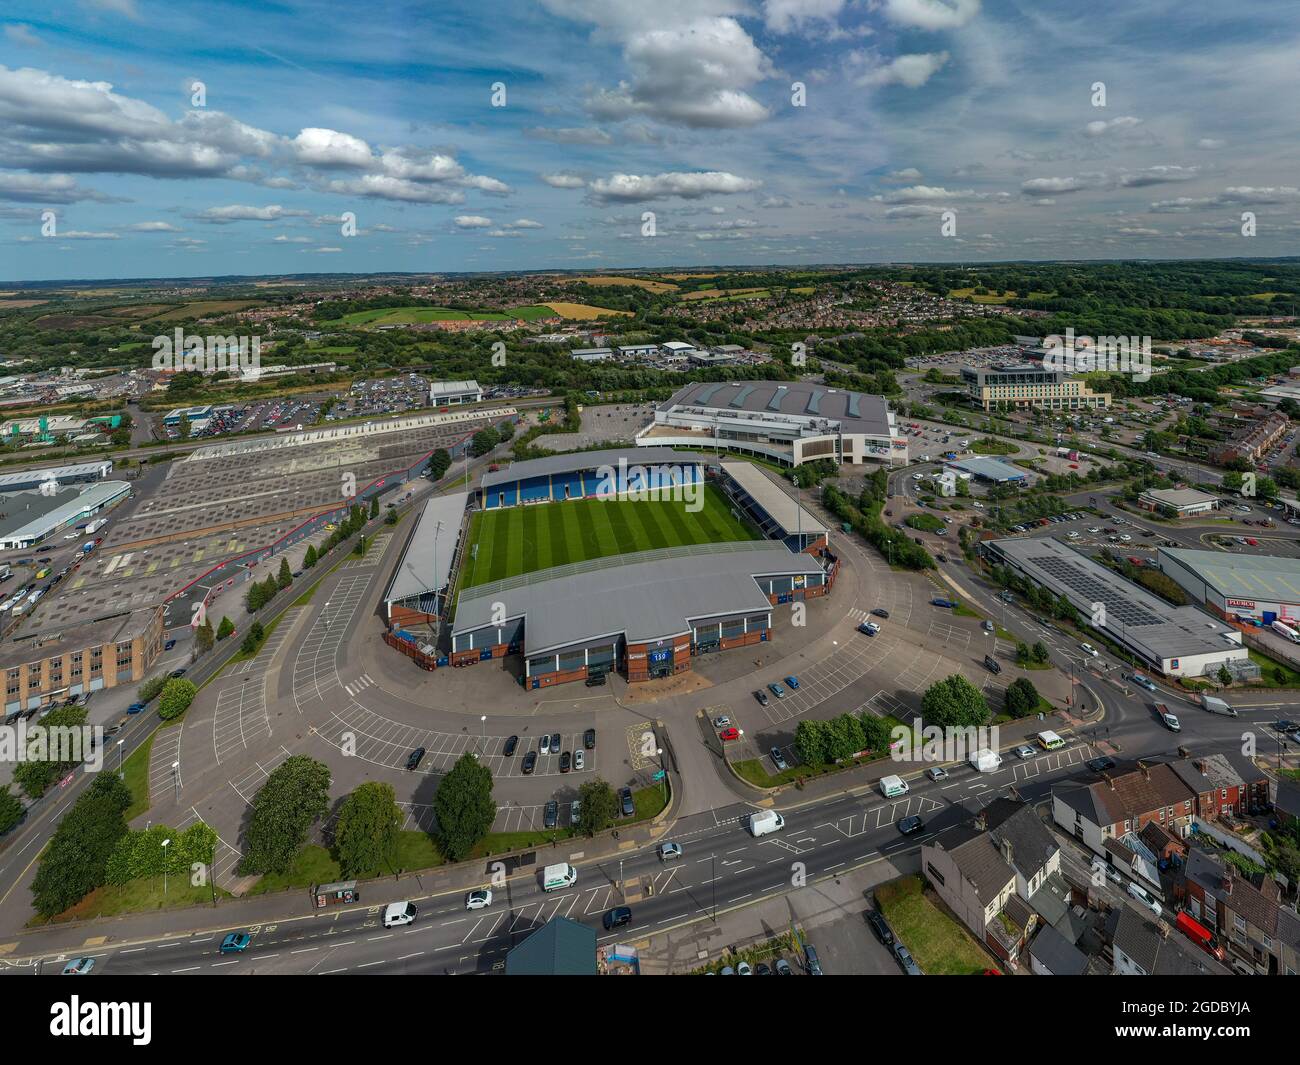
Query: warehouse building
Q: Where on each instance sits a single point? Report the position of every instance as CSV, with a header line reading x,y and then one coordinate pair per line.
x,y
585,474
592,354
1180,641
768,506
644,614
27,518
992,471
1262,588
786,422
81,473
417,594
1178,502
454,393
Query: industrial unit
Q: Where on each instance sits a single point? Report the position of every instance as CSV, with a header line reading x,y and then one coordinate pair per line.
x,y
990,470
1263,588
454,393
787,422
27,518
1180,641
645,614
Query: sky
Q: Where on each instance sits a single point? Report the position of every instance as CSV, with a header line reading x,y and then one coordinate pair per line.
x,y
142,138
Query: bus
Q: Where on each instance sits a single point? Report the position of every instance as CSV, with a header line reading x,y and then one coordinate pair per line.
x,y
1285,631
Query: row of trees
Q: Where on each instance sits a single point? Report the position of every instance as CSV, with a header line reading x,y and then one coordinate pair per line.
x,y
825,742
865,519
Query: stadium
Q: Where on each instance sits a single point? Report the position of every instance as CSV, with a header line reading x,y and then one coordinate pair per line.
x,y
602,561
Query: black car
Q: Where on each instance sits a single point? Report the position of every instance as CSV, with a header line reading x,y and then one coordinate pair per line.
x,y
881,612
1101,764
556,743
551,816
881,927
992,664
510,746
909,826
617,917
589,739
595,680
413,759
566,760
761,696
530,761
1285,726
177,673
626,795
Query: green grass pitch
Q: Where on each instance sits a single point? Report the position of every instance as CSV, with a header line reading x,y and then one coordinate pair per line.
x,y
516,540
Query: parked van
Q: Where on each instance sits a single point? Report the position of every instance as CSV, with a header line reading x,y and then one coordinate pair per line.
x,y
399,913
1139,894
556,877
890,787
985,761
1050,741
765,821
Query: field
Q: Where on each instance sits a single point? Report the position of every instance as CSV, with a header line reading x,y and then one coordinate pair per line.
x,y
582,311
519,540
725,293
638,282
204,309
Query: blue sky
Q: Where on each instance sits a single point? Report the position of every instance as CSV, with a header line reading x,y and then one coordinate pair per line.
x,y
614,108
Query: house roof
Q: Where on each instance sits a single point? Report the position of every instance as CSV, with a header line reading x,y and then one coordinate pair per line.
x,y
1124,795
977,858
559,948
1056,953
1207,772
1258,905
1016,826
1156,949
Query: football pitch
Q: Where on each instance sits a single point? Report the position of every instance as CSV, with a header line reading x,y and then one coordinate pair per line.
x,y
516,540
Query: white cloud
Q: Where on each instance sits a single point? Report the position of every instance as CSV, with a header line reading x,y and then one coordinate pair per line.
x,y
787,16
931,14
472,221
1053,186
570,135
1209,144
329,148
634,188
153,227
563,181
237,212
1103,126
911,71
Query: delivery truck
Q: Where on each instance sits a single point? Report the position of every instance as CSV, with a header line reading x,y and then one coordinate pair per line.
x,y
1216,705
765,821
985,761
556,877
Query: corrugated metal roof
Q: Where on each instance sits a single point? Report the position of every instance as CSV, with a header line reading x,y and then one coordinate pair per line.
x,y
426,564
770,496
573,462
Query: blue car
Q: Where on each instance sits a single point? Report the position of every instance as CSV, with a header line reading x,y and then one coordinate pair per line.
x,y
236,943
793,681
776,690
135,708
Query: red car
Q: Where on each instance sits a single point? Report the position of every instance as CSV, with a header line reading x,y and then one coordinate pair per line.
x,y
729,734
1252,541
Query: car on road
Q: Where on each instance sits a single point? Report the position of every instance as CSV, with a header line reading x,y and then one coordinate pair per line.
x,y
399,913
1139,894
413,759
1108,871
936,773
761,696
722,721
1166,717
617,917
729,734
1101,764
776,690
880,926
909,826
512,742
551,814
135,708
78,967
589,739
988,626
544,744
579,761
1088,649
1142,682
793,681
530,762
175,673
906,960
566,760
868,628
478,899
1025,752
627,806
940,601
169,645
777,759
669,851
235,943
881,612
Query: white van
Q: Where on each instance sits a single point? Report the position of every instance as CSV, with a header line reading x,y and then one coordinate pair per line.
x,y
1138,894
556,877
893,786
399,913
985,761
765,821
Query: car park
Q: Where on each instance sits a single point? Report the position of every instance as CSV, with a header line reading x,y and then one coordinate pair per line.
x,y
869,628
793,681
579,761
566,760
729,734
722,721
880,927
761,696
1025,752
881,612
782,967
595,680
589,739
905,959
776,690
810,960
544,744
992,665
556,743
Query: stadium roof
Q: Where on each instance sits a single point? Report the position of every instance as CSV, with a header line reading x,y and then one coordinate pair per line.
x,y
426,563
990,469
854,411
1268,577
790,516
644,596
1133,616
572,462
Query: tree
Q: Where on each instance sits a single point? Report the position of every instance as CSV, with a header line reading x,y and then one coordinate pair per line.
x,y
284,578
151,687
226,628
954,702
256,598
11,810
1022,698
365,834
374,506
75,861
44,763
204,637
484,441
294,796
177,694
253,638
463,806
1225,675
309,559
812,742
599,807
1040,652
439,463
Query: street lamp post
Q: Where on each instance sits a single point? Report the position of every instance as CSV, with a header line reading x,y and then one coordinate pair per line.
x,y
176,775
120,771
483,721
164,847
